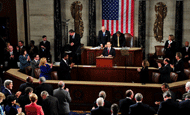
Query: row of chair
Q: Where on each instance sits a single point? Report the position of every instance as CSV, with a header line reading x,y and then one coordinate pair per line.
x,y
173,76
37,72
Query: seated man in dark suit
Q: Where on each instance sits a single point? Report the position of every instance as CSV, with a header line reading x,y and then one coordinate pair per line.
x,y
165,71
125,103
43,87
118,39
50,104
44,47
12,58
74,43
108,51
64,70
168,106
34,64
100,110
107,104
186,52
179,67
103,36
140,108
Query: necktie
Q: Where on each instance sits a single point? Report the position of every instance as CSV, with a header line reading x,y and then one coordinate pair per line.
x,y
108,51
118,41
186,49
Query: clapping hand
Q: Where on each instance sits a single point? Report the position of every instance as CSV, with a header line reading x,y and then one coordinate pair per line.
x,y
51,65
67,89
138,69
172,66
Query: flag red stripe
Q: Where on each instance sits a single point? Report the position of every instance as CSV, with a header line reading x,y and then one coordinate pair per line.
x,y
122,9
132,17
112,27
117,27
102,22
127,15
107,25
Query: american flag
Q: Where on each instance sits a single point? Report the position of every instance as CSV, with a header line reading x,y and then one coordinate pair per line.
x,y
118,15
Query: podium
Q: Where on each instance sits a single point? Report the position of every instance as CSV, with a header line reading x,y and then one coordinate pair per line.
x,y
104,62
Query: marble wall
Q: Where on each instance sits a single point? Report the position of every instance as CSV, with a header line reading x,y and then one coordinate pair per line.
x,y
66,14
41,21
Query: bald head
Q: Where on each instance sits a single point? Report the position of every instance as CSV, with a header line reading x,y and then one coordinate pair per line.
x,y
103,29
29,79
61,84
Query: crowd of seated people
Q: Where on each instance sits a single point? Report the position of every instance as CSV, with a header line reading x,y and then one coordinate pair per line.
x,y
39,100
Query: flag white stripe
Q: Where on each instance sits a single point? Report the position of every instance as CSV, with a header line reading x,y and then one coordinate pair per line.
x,y
114,26
119,20
129,17
110,26
105,24
124,17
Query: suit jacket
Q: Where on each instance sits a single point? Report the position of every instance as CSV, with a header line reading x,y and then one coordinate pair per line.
x,y
179,69
107,104
6,92
170,52
64,100
44,52
20,50
184,107
45,72
105,52
144,75
24,86
76,41
103,39
50,106
32,51
11,110
34,65
12,62
168,107
165,74
64,72
141,109
23,62
101,111
43,87
124,105
34,109
24,100
122,40
185,94
184,53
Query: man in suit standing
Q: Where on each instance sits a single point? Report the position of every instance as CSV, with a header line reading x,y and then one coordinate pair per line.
x,y
165,71
44,47
63,97
103,36
108,51
8,84
74,43
12,58
118,39
29,83
32,50
125,103
168,106
20,47
64,70
50,104
100,110
34,64
184,106
140,108
24,99
186,52
43,87
179,66
107,104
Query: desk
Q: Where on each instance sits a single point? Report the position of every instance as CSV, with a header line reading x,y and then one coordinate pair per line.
x,y
114,74
88,57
